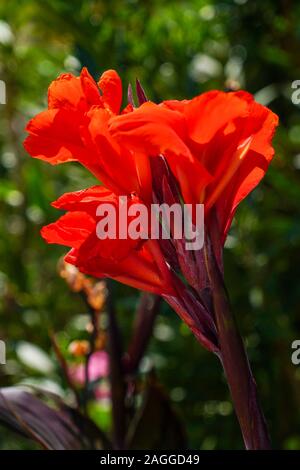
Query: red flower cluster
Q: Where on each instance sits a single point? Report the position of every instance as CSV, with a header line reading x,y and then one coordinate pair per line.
x,y
217,146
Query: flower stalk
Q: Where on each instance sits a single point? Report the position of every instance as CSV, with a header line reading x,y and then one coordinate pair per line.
x,y
146,314
117,381
235,363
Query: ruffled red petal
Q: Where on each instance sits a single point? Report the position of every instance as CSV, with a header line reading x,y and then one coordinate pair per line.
x,y
111,86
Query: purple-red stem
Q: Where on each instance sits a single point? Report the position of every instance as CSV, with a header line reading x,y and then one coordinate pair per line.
x,y
117,381
228,345
143,328
236,365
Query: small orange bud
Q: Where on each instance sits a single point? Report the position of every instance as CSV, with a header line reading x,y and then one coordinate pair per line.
x,y
79,348
96,295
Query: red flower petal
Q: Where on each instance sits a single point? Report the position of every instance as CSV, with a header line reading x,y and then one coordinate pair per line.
x,y
74,93
210,112
86,200
111,87
137,269
72,229
152,129
53,136
114,161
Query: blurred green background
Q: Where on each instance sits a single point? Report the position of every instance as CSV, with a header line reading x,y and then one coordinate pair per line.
x,y
177,49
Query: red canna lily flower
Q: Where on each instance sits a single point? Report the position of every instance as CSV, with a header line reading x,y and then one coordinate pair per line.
x,y
218,146
134,262
75,128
